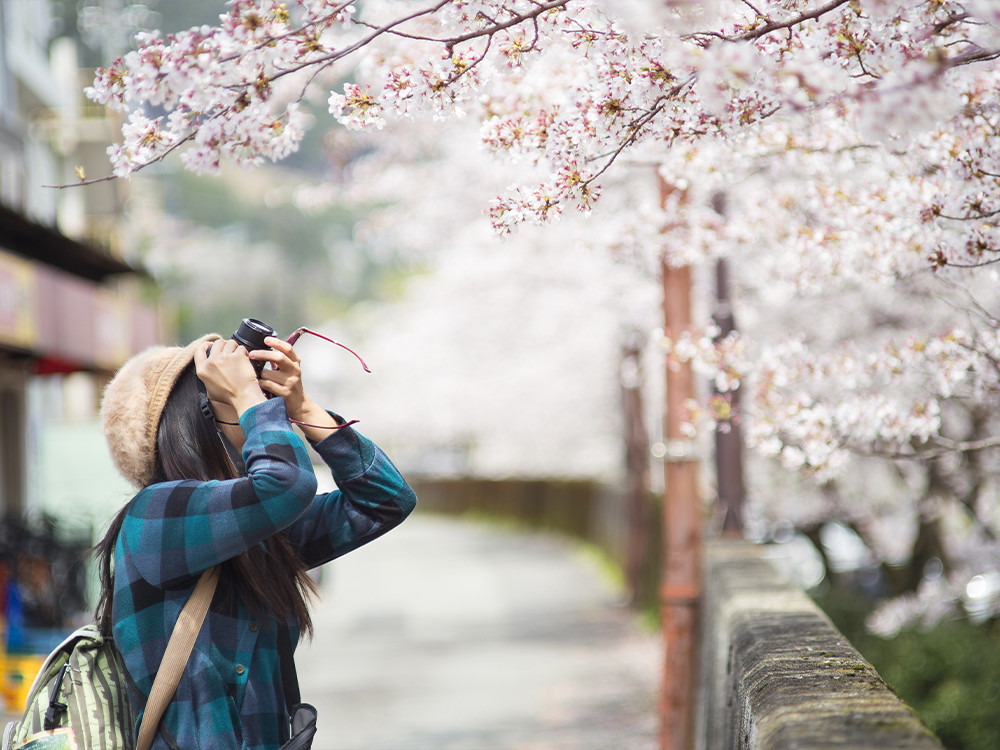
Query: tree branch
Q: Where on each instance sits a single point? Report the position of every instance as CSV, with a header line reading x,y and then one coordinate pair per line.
x,y
110,177
635,128
947,447
494,27
770,26
977,55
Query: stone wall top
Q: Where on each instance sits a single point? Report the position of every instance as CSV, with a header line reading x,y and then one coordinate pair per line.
x,y
776,674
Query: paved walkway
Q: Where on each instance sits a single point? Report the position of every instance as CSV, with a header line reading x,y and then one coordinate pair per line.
x,y
454,635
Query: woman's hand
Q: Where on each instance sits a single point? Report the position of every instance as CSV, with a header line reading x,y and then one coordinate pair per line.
x,y
284,379
225,369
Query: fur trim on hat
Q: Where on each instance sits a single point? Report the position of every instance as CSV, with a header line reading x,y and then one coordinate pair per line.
x,y
133,402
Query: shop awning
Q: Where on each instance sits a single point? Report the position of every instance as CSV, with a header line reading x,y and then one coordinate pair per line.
x,y
53,310
38,242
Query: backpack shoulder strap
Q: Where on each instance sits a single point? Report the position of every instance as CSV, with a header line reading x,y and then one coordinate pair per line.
x,y
176,655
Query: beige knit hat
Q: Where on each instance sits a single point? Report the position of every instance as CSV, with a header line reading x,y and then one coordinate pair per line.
x,y
133,402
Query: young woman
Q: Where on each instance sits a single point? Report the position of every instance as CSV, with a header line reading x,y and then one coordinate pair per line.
x,y
224,480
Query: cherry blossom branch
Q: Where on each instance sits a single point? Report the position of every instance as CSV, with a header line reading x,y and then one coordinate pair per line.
x,y
516,20
970,217
635,127
940,262
770,25
968,58
365,41
948,447
951,20
449,43
108,178
489,31
293,33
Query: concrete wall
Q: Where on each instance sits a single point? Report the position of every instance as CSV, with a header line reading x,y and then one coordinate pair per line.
x,y
776,674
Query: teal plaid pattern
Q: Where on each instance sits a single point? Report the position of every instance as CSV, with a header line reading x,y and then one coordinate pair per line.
x,y
231,695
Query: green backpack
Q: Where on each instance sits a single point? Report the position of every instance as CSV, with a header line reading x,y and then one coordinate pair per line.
x,y
81,685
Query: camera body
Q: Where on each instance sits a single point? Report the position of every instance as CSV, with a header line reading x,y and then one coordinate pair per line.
x,y
250,335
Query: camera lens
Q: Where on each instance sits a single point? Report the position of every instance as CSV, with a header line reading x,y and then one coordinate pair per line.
x,y
251,335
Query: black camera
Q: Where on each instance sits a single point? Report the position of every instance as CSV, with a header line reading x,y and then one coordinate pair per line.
x,y
250,335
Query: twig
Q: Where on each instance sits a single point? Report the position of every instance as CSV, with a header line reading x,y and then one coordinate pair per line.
x,y
110,177
636,126
949,448
770,26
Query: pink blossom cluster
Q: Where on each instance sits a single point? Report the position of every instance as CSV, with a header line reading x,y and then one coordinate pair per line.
x,y
813,410
227,93
568,85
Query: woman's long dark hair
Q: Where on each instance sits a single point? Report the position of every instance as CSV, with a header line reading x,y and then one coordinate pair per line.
x,y
270,580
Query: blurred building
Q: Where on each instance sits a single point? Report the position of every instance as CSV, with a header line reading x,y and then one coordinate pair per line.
x,y
71,302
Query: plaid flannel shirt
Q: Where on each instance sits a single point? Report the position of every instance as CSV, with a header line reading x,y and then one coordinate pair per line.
x,y
231,693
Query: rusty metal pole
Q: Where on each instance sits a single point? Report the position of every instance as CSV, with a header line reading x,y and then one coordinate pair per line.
x,y
680,582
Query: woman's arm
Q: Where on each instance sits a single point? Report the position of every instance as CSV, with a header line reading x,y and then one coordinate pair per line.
x,y
372,497
175,530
